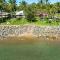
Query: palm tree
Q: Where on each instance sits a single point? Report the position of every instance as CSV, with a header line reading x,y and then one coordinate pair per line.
x,y
47,1
13,3
1,4
23,5
14,6
40,1
4,7
58,7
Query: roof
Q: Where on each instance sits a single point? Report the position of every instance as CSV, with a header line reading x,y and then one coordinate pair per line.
x,y
4,13
20,13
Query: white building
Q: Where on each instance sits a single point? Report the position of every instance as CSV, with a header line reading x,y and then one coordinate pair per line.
x,y
20,14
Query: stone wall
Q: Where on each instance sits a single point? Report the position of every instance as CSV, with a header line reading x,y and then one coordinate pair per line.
x,y
47,32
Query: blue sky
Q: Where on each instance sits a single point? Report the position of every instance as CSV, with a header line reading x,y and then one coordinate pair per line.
x,y
31,1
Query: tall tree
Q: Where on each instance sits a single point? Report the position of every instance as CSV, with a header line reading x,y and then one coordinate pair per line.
x,y
23,5
4,5
13,4
58,7
1,4
47,1
40,1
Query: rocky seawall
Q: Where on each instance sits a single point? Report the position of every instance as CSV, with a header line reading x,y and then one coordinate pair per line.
x,y
42,32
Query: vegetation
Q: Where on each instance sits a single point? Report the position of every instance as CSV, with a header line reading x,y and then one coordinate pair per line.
x,y
37,22
15,50
16,22
32,11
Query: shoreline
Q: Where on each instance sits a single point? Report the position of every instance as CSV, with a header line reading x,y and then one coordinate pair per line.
x,y
47,32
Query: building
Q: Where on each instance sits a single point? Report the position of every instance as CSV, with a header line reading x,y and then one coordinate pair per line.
x,y
4,14
20,14
41,14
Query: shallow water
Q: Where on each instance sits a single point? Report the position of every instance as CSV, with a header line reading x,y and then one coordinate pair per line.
x,y
29,51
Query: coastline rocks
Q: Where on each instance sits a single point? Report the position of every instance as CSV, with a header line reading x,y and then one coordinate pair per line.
x,y
46,31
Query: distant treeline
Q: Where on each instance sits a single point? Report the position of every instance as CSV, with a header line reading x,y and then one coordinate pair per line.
x,y
42,6
30,10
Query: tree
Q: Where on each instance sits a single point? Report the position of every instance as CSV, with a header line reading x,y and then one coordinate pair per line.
x,y
30,16
23,5
40,1
58,7
47,1
1,4
12,4
43,1
4,5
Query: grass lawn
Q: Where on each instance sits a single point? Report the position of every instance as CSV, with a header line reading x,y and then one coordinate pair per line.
x,y
37,51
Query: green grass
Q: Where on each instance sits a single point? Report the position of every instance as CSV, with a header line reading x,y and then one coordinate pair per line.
x,y
16,22
45,23
24,21
37,51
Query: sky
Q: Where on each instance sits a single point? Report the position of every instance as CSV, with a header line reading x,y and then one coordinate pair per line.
x,y
31,1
